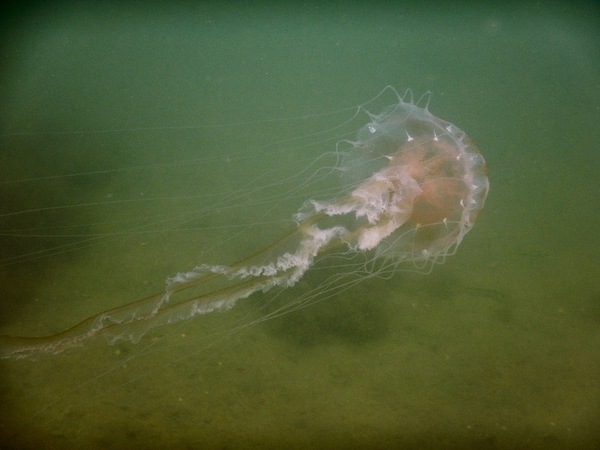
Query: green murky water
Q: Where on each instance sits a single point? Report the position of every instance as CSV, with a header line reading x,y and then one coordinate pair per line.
x,y
136,143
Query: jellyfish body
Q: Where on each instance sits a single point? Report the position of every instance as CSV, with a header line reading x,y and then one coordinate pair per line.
x,y
416,185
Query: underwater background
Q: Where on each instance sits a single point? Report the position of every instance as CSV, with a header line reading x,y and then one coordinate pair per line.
x,y
115,116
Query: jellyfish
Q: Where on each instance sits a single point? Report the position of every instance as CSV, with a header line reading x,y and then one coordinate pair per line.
x,y
415,185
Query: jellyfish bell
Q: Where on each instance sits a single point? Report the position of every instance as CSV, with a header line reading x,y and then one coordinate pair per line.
x,y
442,175
412,187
